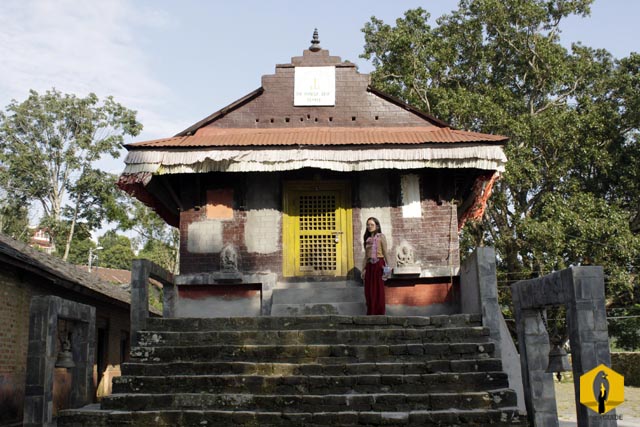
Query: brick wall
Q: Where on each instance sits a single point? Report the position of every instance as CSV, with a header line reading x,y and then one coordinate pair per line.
x,y
14,336
232,232
433,235
354,105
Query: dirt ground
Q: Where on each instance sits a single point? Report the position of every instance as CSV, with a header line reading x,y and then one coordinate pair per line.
x,y
565,400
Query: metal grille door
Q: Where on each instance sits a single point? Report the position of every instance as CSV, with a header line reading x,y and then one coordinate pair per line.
x,y
317,230
318,236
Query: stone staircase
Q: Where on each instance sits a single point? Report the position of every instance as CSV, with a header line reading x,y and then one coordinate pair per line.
x,y
318,298
309,371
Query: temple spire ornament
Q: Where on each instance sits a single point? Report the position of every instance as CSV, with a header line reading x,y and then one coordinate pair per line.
x,y
315,42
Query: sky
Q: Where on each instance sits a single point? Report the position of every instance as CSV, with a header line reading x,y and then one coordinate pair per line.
x,y
176,62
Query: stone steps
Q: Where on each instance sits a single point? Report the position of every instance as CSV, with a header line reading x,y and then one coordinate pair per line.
x,y
305,309
477,334
341,300
309,371
469,418
313,384
293,403
266,323
282,369
311,352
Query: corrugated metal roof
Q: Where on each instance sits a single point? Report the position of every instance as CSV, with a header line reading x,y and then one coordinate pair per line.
x,y
236,137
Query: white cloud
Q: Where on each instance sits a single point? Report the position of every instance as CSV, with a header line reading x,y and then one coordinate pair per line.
x,y
84,46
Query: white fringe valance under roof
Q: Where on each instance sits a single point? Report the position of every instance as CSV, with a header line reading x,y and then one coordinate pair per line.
x,y
486,157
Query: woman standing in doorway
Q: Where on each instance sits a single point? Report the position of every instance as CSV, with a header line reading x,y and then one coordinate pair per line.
x,y
375,259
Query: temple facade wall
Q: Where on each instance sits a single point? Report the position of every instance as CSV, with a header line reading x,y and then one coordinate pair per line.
x,y
247,213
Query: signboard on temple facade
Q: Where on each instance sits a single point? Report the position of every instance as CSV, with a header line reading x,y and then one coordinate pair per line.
x,y
314,86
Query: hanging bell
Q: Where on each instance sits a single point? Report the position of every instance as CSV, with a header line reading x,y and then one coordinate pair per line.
x,y
558,360
65,358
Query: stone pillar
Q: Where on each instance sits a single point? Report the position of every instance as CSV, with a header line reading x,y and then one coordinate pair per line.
x,y
479,291
588,333
539,391
479,295
140,270
169,300
42,354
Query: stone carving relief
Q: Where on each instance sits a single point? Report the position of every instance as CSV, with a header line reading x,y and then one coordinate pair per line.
x,y
406,263
405,255
229,258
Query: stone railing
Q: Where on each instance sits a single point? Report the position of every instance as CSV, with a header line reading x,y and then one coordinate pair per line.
x,y
581,291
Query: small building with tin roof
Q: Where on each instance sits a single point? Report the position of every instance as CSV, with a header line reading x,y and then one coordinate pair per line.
x,y
273,191
26,272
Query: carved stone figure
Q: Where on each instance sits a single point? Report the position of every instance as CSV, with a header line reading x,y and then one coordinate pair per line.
x,y
406,264
229,259
404,255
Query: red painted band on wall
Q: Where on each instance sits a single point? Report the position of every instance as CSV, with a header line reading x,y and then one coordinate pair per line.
x,y
421,294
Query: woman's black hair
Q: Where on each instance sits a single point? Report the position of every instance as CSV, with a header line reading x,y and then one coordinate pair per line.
x,y
366,229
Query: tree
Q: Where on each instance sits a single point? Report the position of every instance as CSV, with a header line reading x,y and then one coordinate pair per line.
x,y
14,215
159,242
79,252
48,144
14,219
160,253
116,251
570,192
97,199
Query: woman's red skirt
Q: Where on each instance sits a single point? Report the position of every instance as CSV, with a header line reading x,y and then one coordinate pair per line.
x,y
374,288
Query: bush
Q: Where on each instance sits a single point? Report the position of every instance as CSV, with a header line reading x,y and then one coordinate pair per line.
x,y
627,364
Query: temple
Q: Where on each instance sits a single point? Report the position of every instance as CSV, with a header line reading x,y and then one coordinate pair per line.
x,y
271,194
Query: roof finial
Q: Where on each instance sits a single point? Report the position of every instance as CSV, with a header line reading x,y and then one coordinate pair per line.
x,y
315,43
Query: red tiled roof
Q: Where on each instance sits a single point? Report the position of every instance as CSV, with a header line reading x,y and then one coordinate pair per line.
x,y
240,137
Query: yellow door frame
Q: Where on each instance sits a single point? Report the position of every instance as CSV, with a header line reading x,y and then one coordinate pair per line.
x,y
290,243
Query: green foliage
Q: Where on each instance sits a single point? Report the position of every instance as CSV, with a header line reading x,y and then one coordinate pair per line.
x,y
155,297
14,220
58,230
160,253
159,241
571,191
626,328
79,251
48,144
116,251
